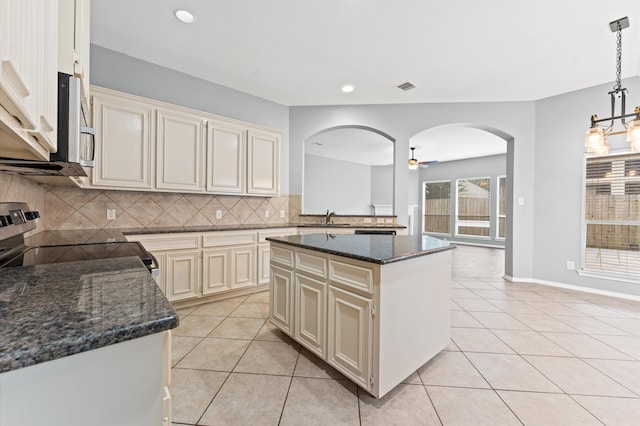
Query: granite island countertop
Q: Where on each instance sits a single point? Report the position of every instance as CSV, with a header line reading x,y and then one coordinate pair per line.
x,y
55,310
380,249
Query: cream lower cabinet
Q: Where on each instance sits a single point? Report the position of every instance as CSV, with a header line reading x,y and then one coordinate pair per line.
x,y
198,264
375,323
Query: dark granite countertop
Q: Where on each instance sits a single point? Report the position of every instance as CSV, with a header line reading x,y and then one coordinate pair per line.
x,y
381,249
55,310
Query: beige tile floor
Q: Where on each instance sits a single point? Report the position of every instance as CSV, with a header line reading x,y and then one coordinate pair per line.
x,y
520,354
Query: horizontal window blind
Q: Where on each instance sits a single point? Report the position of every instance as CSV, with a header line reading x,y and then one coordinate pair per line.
x,y
611,223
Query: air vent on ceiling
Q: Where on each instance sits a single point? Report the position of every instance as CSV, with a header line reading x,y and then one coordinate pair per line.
x,y
407,85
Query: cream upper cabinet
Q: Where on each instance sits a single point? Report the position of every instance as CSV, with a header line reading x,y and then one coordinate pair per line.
x,y
194,151
180,150
74,33
123,141
226,144
263,163
28,79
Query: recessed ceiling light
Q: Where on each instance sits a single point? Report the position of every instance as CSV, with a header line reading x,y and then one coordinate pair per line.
x,y
184,16
347,88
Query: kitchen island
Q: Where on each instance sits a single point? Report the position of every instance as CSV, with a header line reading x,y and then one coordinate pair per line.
x,y
375,307
84,343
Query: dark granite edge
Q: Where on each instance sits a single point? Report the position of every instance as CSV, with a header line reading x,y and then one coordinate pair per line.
x,y
363,258
64,347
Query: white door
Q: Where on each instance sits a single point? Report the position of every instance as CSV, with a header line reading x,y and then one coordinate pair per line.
x,y
310,316
215,270
225,157
350,335
263,163
281,298
180,151
182,274
123,142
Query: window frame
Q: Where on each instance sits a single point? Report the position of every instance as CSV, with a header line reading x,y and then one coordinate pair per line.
x,y
424,207
457,209
584,270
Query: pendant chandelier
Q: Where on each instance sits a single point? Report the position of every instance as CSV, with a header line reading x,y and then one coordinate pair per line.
x,y
595,139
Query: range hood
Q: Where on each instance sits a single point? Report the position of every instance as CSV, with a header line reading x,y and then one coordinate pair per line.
x,y
40,168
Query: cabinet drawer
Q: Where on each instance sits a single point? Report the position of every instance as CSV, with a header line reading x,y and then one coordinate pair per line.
x,y
280,232
351,276
282,255
213,239
167,241
311,264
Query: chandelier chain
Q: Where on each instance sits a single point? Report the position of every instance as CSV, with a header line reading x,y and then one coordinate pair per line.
x,y
618,85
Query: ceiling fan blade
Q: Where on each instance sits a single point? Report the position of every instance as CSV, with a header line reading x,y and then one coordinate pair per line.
x,y
425,164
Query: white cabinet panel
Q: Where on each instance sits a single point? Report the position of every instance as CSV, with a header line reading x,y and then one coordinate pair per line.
x,y
264,259
215,270
281,298
123,142
225,157
263,163
310,315
350,335
182,274
243,266
180,151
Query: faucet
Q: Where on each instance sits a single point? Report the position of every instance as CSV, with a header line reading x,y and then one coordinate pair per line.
x,y
328,216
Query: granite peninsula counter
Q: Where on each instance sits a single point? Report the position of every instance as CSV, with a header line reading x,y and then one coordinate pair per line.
x,y
83,342
375,307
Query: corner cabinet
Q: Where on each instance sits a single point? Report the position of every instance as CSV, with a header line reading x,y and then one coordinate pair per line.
x,y
155,146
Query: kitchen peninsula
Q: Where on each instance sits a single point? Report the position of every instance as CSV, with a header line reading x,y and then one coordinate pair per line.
x,y
375,307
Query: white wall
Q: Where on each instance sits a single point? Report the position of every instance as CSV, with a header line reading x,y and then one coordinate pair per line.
x,y
336,185
513,120
381,185
561,122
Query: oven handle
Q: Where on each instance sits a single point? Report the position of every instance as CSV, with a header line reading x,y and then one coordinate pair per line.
x,y
154,268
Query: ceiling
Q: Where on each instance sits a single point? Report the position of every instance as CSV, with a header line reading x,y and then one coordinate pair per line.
x,y
297,52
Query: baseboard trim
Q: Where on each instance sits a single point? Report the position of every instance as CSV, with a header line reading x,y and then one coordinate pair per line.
x,y
572,287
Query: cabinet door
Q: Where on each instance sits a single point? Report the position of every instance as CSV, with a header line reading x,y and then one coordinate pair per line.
x,y
182,274
264,259
281,298
180,151
263,163
225,157
215,270
28,68
243,266
350,335
124,132
310,315
161,278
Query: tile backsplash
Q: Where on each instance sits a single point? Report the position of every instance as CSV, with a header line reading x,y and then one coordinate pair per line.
x,y
74,208
17,189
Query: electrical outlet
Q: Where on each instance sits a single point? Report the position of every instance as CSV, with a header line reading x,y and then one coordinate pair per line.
x,y
218,214
282,213
367,220
266,213
571,265
521,201
380,220
111,214
389,221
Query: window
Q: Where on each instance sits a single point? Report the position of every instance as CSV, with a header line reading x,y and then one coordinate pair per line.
x,y
611,225
473,207
437,207
502,207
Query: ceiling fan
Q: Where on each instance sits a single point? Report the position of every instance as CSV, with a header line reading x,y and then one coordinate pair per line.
x,y
414,163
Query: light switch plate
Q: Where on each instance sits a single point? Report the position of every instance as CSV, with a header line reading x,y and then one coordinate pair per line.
x,y
367,220
381,220
282,213
111,214
218,214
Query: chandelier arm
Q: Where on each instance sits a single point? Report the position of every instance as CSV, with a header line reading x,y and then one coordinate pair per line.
x,y
600,120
